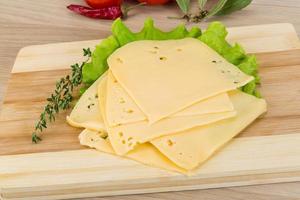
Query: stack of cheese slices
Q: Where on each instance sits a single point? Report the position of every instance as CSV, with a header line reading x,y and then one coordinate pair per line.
x,y
168,104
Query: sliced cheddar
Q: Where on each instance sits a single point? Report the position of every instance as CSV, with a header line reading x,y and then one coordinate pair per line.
x,y
190,148
121,109
146,153
86,112
164,77
126,137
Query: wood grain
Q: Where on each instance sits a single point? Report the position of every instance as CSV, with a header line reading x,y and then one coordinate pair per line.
x,y
241,163
19,114
24,23
281,124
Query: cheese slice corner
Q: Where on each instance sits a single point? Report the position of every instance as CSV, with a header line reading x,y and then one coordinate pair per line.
x,y
146,153
86,113
190,148
124,138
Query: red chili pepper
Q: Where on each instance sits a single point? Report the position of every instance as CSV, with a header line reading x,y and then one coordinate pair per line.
x,y
112,12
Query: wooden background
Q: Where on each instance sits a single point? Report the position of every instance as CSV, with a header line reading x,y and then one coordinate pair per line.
x,y
25,22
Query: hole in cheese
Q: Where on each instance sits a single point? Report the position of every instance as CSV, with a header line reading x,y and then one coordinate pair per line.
x,y
122,100
120,134
119,60
162,58
170,142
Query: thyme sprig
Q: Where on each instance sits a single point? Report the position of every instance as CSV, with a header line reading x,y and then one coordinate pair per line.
x,y
61,98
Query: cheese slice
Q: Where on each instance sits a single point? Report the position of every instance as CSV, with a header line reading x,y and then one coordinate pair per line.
x,y
190,148
215,104
164,77
86,112
121,109
126,137
145,153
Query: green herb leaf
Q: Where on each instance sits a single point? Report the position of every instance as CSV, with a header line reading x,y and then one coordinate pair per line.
x,y
233,5
184,5
61,98
216,8
202,4
87,52
35,138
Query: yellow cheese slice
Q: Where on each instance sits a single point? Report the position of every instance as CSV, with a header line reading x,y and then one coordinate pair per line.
x,y
86,112
121,109
215,104
144,153
125,137
190,148
164,77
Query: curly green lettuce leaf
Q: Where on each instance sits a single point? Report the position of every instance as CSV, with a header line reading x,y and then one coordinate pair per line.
x,y
149,32
195,32
215,38
98,65
122,33
249,66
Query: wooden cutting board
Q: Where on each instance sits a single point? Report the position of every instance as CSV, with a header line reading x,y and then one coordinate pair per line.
x,y
57,168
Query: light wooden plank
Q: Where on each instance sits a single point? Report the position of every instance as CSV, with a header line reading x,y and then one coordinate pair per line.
x,y
32,25
17,124
259,38
84,173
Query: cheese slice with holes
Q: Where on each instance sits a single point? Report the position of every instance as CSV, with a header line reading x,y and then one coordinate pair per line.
x,y
164,77
146,153
86,112
121,109
190,148
125,138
